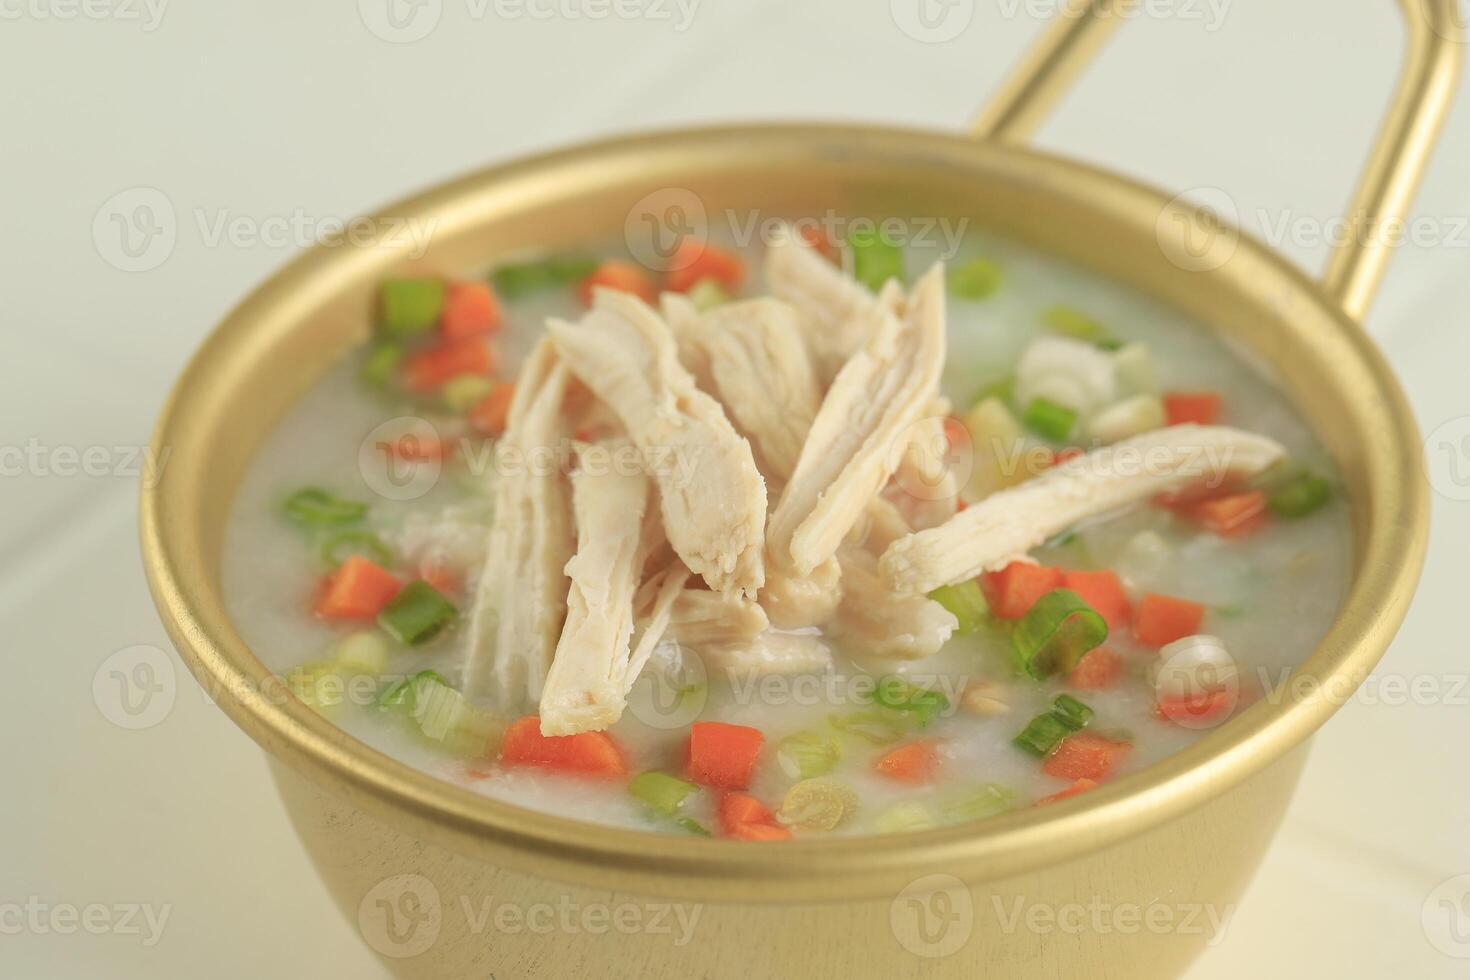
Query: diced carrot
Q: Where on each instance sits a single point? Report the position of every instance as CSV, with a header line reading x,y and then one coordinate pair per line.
x,y
488,416
747,818
1104,592
916,762
1199,407
470,308
428,369
1080,786
1085,755
594,753
722,755
358,589
738,808
1231,516
817,238
1099,668
759,832
1194,709
1162,619
696,260
623,276
1013,590
1184,499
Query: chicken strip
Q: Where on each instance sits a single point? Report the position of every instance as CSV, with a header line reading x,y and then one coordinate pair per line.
x,y
841,313
752,356
587,686
876,621
713,499
771,652
860,431
1008,524
794,601
521,596
701,617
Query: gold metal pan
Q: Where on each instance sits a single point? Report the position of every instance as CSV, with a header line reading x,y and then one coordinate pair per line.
x,y
1188,832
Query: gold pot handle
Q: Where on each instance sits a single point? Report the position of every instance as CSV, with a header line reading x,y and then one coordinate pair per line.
x,y
1425,87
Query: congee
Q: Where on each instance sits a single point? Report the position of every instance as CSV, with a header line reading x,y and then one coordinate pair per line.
x,y
810,535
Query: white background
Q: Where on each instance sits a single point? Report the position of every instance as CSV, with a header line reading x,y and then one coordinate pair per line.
x,y
273,108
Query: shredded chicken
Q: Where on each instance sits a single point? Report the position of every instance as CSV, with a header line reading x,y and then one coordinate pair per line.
x,y
924,486
752,356
794,601
521,598
1008,524
876,621
860,430
700,617
842,314
771,652
587,687
711,494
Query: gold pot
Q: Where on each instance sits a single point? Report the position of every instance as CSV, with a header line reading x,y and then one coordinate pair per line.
x,y
1126,881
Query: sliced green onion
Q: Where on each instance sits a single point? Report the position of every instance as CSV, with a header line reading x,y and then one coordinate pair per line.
x,y
315,506
874,727
660,790
692,825
410,307
986,801
1054,634
1071,712
416,614
896,694
523,279
465,392
1111,344
1042,736
446,716
403,693
903,817
1303,495
805,755
707,294
336,548
875,259
976,279
365,653
1074,323
966,602
379,366
1049,420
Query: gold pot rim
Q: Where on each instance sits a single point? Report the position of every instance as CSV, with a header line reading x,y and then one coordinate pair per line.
x,y
1392,536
